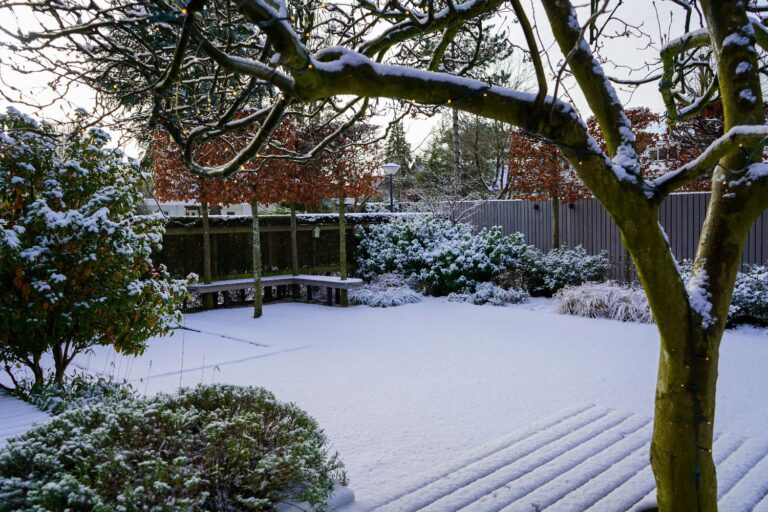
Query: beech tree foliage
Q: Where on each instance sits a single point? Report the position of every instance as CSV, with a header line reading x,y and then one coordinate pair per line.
x,y
195,75
75,267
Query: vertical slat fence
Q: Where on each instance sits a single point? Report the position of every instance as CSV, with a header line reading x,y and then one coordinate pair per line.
x,y
586,223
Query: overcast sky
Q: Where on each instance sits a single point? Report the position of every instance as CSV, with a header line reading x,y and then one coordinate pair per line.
x,y
625,51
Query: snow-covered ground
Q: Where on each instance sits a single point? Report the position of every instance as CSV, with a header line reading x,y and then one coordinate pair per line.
x,y
16,417
402,390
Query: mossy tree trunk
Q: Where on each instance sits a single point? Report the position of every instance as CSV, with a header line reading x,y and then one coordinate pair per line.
x,y
690,319
257,288
681,452
207,297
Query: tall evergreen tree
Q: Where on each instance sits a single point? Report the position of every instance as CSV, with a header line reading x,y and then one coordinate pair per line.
x,y
398,149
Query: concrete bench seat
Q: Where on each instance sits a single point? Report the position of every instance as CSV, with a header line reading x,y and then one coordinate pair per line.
x,y
331,283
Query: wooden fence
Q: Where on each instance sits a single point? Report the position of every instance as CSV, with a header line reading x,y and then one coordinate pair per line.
x,y
231,241
586,223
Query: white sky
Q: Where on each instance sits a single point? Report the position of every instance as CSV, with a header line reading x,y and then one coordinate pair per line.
x,y
641,13
629,52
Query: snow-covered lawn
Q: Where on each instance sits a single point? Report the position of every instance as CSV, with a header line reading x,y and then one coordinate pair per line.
x,y
401,390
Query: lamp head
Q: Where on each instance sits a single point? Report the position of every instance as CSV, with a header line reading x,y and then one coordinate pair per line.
x,y
391,168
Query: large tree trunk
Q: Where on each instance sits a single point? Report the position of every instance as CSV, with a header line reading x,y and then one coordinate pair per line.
x,y
343,296
207,297
294,253
257,299
681,449
681,452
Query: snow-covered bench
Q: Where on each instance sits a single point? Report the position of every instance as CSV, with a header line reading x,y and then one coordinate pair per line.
x,y
330,283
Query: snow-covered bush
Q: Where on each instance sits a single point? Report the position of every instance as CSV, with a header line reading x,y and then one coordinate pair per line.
x,y
489,293
207,448
749,303
750,296
442,256
77,390
384,297
75,256
544,274
605,300
385,291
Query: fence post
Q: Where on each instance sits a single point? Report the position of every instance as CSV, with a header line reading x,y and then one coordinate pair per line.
x,y
343,298
257,300
294,253
208,297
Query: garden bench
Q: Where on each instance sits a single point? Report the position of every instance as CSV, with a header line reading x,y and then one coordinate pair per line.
x,y
330,283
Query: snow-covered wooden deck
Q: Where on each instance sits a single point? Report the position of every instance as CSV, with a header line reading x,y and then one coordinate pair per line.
x,y
16,417
586,459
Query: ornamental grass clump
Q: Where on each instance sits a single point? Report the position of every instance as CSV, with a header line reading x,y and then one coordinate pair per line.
x,y
605,300
218,448
385,291
489,293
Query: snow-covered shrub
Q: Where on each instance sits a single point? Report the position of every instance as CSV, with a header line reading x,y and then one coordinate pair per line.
x,y
544,274
750,296
77,390
605,300
384,297
75,256
442,256
489,293
207,448
385,291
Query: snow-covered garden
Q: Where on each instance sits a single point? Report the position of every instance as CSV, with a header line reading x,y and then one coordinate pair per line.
x,y
601,356
402,390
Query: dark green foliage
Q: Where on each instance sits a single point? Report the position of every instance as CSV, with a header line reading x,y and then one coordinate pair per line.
x,y
75,256
544,274
209,448
445,257
441,256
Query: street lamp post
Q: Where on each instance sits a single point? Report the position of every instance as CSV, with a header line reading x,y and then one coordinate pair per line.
x,y
391,169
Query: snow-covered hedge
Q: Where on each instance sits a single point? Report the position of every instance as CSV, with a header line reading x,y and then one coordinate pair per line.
x,y
445,257
442,256
605,300
489,293
207,448
750,296
543,274
385,291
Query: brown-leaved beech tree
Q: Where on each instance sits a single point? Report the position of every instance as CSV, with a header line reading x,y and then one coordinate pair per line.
x,y
537,172
191,67
344,170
